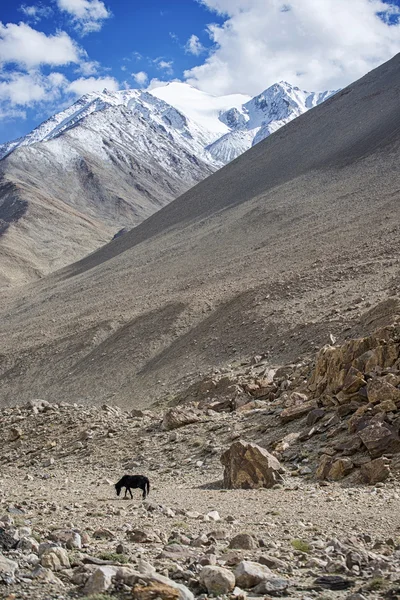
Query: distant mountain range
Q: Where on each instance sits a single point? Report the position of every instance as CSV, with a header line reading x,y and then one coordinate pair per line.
x,y
112,159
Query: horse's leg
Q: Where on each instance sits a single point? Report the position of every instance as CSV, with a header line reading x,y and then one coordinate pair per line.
x,y
144,492
130,491
126,491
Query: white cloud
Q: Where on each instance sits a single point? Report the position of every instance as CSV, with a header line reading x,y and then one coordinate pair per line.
x,y
28,89
88,67
23,45
141,78
82,86
35,12
194,46
87,15
11,113
315,44
165,65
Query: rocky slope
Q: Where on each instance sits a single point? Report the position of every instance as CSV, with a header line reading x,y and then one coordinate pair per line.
x,y
272,253
316,533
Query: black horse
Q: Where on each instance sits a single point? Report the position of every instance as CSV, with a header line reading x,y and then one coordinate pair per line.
x,y
133,481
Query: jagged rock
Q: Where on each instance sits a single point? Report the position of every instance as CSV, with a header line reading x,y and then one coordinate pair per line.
x,y
296,411
250,466
243,541
334,364
340,469
217,580
353,381
9,539
249,574
315,415
177,417
379,389
100,580
37,405
46,576
55,559
379,438
375,471
7,569
296,399
324,466
274,586
71,539
272,562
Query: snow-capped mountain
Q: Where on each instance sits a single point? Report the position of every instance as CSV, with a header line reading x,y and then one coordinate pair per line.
x,y
113,158
207,125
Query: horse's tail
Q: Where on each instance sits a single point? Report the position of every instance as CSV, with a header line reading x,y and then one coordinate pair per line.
x,y
147,487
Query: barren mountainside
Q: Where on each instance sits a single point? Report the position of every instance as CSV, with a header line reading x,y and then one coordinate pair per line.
x,y
294,240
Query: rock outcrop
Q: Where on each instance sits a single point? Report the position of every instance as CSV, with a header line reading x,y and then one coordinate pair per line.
x,y
250,466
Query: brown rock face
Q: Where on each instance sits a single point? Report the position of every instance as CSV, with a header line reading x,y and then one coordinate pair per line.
x,y
341,369
379,438
250,466
340,469
380,390
375,471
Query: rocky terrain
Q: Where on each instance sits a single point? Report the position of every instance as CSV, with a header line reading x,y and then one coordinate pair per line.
x,y
294,240
265,482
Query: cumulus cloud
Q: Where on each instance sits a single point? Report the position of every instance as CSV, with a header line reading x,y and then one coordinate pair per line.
x,y
87,15
82,86
23,45
35,12
141,78
28,89
194,46
315,44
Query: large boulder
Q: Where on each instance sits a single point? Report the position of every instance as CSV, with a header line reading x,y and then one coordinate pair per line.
x,y
379,438
249,574
380,390
375,471
100,580
250,466
217,581
7,569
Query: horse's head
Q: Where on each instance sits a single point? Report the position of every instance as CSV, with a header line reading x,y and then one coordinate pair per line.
x,y
118,489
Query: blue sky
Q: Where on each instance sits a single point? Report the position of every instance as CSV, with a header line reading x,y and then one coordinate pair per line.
x,y
53,51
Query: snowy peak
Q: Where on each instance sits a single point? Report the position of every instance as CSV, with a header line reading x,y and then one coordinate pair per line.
x,y
215,129
257,118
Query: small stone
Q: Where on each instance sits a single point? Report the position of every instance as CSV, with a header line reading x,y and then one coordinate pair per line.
x,y
243,541
214,515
